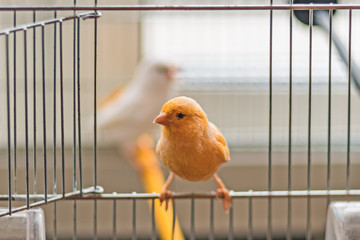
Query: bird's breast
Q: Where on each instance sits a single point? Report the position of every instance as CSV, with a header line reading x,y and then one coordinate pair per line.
x,y
191,160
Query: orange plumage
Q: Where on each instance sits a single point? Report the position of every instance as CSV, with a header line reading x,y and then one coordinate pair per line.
x,y
190,146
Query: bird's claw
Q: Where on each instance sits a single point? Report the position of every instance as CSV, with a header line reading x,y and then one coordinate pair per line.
x,y
165,195
226,198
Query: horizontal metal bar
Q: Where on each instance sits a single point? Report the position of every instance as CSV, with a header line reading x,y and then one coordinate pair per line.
x,y
245,194
50,21
180,7
92,193
32,205
40,199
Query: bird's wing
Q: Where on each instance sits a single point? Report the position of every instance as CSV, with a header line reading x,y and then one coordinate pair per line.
x,y
116,109
111,97
221,142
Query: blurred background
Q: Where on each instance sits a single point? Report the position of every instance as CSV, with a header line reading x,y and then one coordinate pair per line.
x,y
224,61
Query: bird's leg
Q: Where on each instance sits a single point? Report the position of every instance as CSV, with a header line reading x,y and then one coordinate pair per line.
x,y
223,192
165,194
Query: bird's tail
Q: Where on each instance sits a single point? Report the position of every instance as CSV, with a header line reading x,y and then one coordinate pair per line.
x,y
153,181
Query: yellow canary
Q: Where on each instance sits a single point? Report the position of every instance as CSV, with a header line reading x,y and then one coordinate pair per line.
x,y
190,146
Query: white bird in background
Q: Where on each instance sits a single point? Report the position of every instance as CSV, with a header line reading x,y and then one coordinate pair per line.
x,y
129,111
126,114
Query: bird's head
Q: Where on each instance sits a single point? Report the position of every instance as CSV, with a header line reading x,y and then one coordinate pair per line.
x,y
182,114
169,71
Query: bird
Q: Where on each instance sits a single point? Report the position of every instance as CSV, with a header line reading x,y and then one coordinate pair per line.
x,y
125,117
190,146
127,112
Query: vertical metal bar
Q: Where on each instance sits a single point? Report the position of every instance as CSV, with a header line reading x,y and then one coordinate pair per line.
x,y
54,109
250,223
34,104
26,122
348,186
328,183
95,220
78,103
62,110
44,108
15,111
173,220
74,221
8,118
211,234
269,228
95,99
114,220
74,107
55,222
231,221
192,219
95,114
95,124
153,227
133,236
308,226
288,233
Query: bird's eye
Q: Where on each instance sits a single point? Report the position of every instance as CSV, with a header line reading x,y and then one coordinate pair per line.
x,y
180,115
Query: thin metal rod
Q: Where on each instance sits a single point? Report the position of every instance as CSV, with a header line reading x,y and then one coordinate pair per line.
x,y
250,220
50,21
34,106
8,118
91,194
182,7
153,226
328,183
78,104
309,102
26,121
95,219
74,221
44,108
231,221
289,213
192,219
133,235
55,222
245,194
308,222
95,98
33,205
39,199
15,110
269,227
54,110
348,184
62,110
114,220
211,232
74,107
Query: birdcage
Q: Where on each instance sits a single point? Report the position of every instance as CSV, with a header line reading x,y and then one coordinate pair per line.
x,y
283,92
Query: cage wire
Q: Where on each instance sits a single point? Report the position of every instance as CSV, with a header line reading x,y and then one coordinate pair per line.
x,y
296,132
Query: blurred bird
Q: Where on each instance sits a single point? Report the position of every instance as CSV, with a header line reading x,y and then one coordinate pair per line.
x,y
190,146
126,115
127,112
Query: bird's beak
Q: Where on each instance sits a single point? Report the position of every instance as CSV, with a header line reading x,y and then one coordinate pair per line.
x,y
162,119
173,72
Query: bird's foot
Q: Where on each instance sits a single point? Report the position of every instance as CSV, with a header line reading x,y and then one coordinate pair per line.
x,y
226,198
166,196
